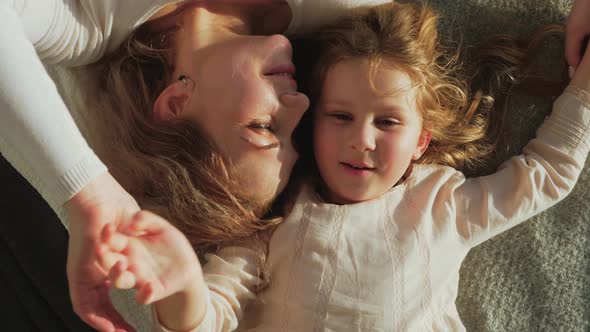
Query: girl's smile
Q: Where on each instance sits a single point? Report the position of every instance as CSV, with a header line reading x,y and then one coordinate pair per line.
x,y
365,138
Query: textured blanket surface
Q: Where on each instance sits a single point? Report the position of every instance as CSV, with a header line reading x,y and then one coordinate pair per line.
x,y
536,276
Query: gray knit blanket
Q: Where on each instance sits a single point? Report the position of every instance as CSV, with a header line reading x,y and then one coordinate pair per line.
x,y
534,277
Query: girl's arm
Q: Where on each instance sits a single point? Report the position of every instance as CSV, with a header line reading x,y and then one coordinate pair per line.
x,y
542,175
154,257
578,27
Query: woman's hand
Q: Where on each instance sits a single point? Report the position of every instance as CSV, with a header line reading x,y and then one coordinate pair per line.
x,y
154,257
103,201
578,28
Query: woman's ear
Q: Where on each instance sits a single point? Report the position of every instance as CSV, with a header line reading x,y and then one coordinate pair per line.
x,y
171,104
423,142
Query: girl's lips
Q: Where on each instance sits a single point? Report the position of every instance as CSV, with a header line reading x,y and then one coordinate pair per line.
x,y
360,165
356,171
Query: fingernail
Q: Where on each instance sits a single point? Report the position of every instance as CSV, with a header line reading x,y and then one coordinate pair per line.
x,y
570,71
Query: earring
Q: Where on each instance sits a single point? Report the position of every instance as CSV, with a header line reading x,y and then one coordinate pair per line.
x,y
184,79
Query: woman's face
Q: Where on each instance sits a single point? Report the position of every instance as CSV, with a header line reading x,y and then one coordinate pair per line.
x,y
246,100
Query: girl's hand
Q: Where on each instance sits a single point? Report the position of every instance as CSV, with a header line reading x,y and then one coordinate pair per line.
x,y
578,27
149,254
581,78
154,257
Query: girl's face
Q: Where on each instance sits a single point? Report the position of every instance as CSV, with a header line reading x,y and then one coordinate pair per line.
x,y
242,94
365,138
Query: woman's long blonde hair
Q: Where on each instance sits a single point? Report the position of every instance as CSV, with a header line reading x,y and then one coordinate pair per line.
x,y
461,102
172,169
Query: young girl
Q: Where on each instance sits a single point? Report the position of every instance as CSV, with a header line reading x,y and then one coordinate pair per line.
x,y
376,243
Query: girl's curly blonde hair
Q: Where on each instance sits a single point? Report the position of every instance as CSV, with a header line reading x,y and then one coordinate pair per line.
x,y
462,103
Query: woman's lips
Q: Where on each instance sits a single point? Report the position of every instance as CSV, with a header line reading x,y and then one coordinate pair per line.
x,y
286,68
284,71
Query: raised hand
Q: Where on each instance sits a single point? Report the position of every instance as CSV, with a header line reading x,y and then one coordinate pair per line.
x,y
152,256
581,77
577,30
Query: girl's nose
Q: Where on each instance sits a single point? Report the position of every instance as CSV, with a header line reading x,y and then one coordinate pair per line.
x,y
363,138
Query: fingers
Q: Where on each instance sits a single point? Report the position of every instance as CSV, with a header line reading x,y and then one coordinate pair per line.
x,y
94,306
145,294
145,222
113,239
150,292
111,247
121,277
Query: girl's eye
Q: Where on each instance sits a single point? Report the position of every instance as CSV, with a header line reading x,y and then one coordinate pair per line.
x,y
340,116
388,122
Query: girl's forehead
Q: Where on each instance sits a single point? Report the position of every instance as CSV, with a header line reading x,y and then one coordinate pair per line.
x,y
359,77
379,75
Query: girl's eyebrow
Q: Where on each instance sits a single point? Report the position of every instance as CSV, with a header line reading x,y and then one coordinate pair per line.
x,y
337,106
338,102
391,108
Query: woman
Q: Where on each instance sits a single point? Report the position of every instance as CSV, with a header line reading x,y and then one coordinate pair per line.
x,y
39,138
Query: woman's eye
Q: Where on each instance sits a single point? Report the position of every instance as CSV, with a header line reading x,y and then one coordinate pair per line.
x,y
261,126
261,135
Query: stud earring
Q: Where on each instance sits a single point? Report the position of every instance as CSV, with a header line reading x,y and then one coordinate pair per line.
x,y
184,79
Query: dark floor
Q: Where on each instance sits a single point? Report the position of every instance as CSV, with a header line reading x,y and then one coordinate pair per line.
x,y
33,247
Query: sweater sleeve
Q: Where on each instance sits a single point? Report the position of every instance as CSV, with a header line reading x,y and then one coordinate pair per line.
x,y
525,185
232,276
37,133
309,15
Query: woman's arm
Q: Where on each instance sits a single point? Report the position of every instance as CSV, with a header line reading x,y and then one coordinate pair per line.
x,y
40,139
37,133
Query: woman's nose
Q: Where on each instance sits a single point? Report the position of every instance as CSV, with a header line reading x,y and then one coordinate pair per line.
x,y
296,103
362,138
280,44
